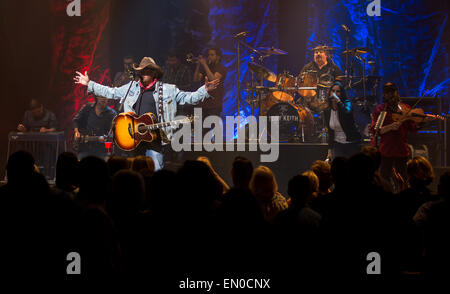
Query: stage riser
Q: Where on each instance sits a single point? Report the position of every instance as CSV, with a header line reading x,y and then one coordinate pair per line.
x,y
293,159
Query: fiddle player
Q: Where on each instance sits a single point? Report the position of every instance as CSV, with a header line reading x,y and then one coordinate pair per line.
x,y
393,143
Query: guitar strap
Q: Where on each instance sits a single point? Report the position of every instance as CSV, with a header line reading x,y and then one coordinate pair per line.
x,y
161,112
160,102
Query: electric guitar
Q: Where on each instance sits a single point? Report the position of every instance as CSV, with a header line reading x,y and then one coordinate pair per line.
x,y
130,129
83,140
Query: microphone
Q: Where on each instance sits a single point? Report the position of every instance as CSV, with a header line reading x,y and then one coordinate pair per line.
x,y
241,35
345,28
336,96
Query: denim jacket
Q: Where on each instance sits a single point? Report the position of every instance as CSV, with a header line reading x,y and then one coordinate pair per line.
x,y
172,96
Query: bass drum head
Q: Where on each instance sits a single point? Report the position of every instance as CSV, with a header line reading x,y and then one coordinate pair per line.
x,y
293,120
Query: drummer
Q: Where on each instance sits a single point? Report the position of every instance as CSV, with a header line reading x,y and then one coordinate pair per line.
x,y
320,73
323,65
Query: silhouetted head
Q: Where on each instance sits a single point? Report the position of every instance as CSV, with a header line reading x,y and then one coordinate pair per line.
x,y
313,181
127,194
322,169
94,179
116,163
240,208
263,183
20,167
339,170
143,162
299,189
444,185
198,187
162,191
373,153
419,171
361,169
241,172
67,171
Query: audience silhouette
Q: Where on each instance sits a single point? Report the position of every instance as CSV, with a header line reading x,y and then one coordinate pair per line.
x,y
126,220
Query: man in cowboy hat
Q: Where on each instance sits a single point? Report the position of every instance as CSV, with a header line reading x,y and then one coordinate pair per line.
x,y
149,94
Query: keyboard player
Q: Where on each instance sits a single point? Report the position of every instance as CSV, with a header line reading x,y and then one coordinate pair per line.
x,y
38,119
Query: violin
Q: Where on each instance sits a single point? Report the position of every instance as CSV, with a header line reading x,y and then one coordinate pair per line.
x,y
414,114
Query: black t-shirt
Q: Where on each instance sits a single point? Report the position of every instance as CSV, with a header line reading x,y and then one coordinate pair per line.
x,y
48,120
89,123
146,103
217,95
326,74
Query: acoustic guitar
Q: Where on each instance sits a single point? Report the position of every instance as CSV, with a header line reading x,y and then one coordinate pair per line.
x,y
130,129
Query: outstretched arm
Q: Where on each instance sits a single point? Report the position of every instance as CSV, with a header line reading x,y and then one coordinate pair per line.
x,y
81,78
197,96
225,187
100,90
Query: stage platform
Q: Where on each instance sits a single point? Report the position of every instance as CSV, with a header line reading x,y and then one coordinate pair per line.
x,y
293,159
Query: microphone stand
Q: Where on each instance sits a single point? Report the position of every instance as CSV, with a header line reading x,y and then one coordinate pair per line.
x,y
238,42
238,81
347,40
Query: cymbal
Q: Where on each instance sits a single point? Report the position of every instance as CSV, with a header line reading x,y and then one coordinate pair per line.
x,y
324,48
370,82
356,51
271,51
262,71
341,78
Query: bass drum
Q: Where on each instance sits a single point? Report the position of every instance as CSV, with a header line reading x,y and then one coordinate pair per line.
x,y
293,121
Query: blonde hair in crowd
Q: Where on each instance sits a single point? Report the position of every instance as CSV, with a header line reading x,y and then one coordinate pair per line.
x,y
263,183
420,168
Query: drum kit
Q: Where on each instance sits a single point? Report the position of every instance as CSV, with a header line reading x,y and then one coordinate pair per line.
x,y
299,101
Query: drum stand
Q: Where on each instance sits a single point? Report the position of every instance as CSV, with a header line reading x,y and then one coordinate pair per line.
x,y
363,75
297,138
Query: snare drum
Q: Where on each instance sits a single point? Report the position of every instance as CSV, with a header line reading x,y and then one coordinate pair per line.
x,y
308,79
285,80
